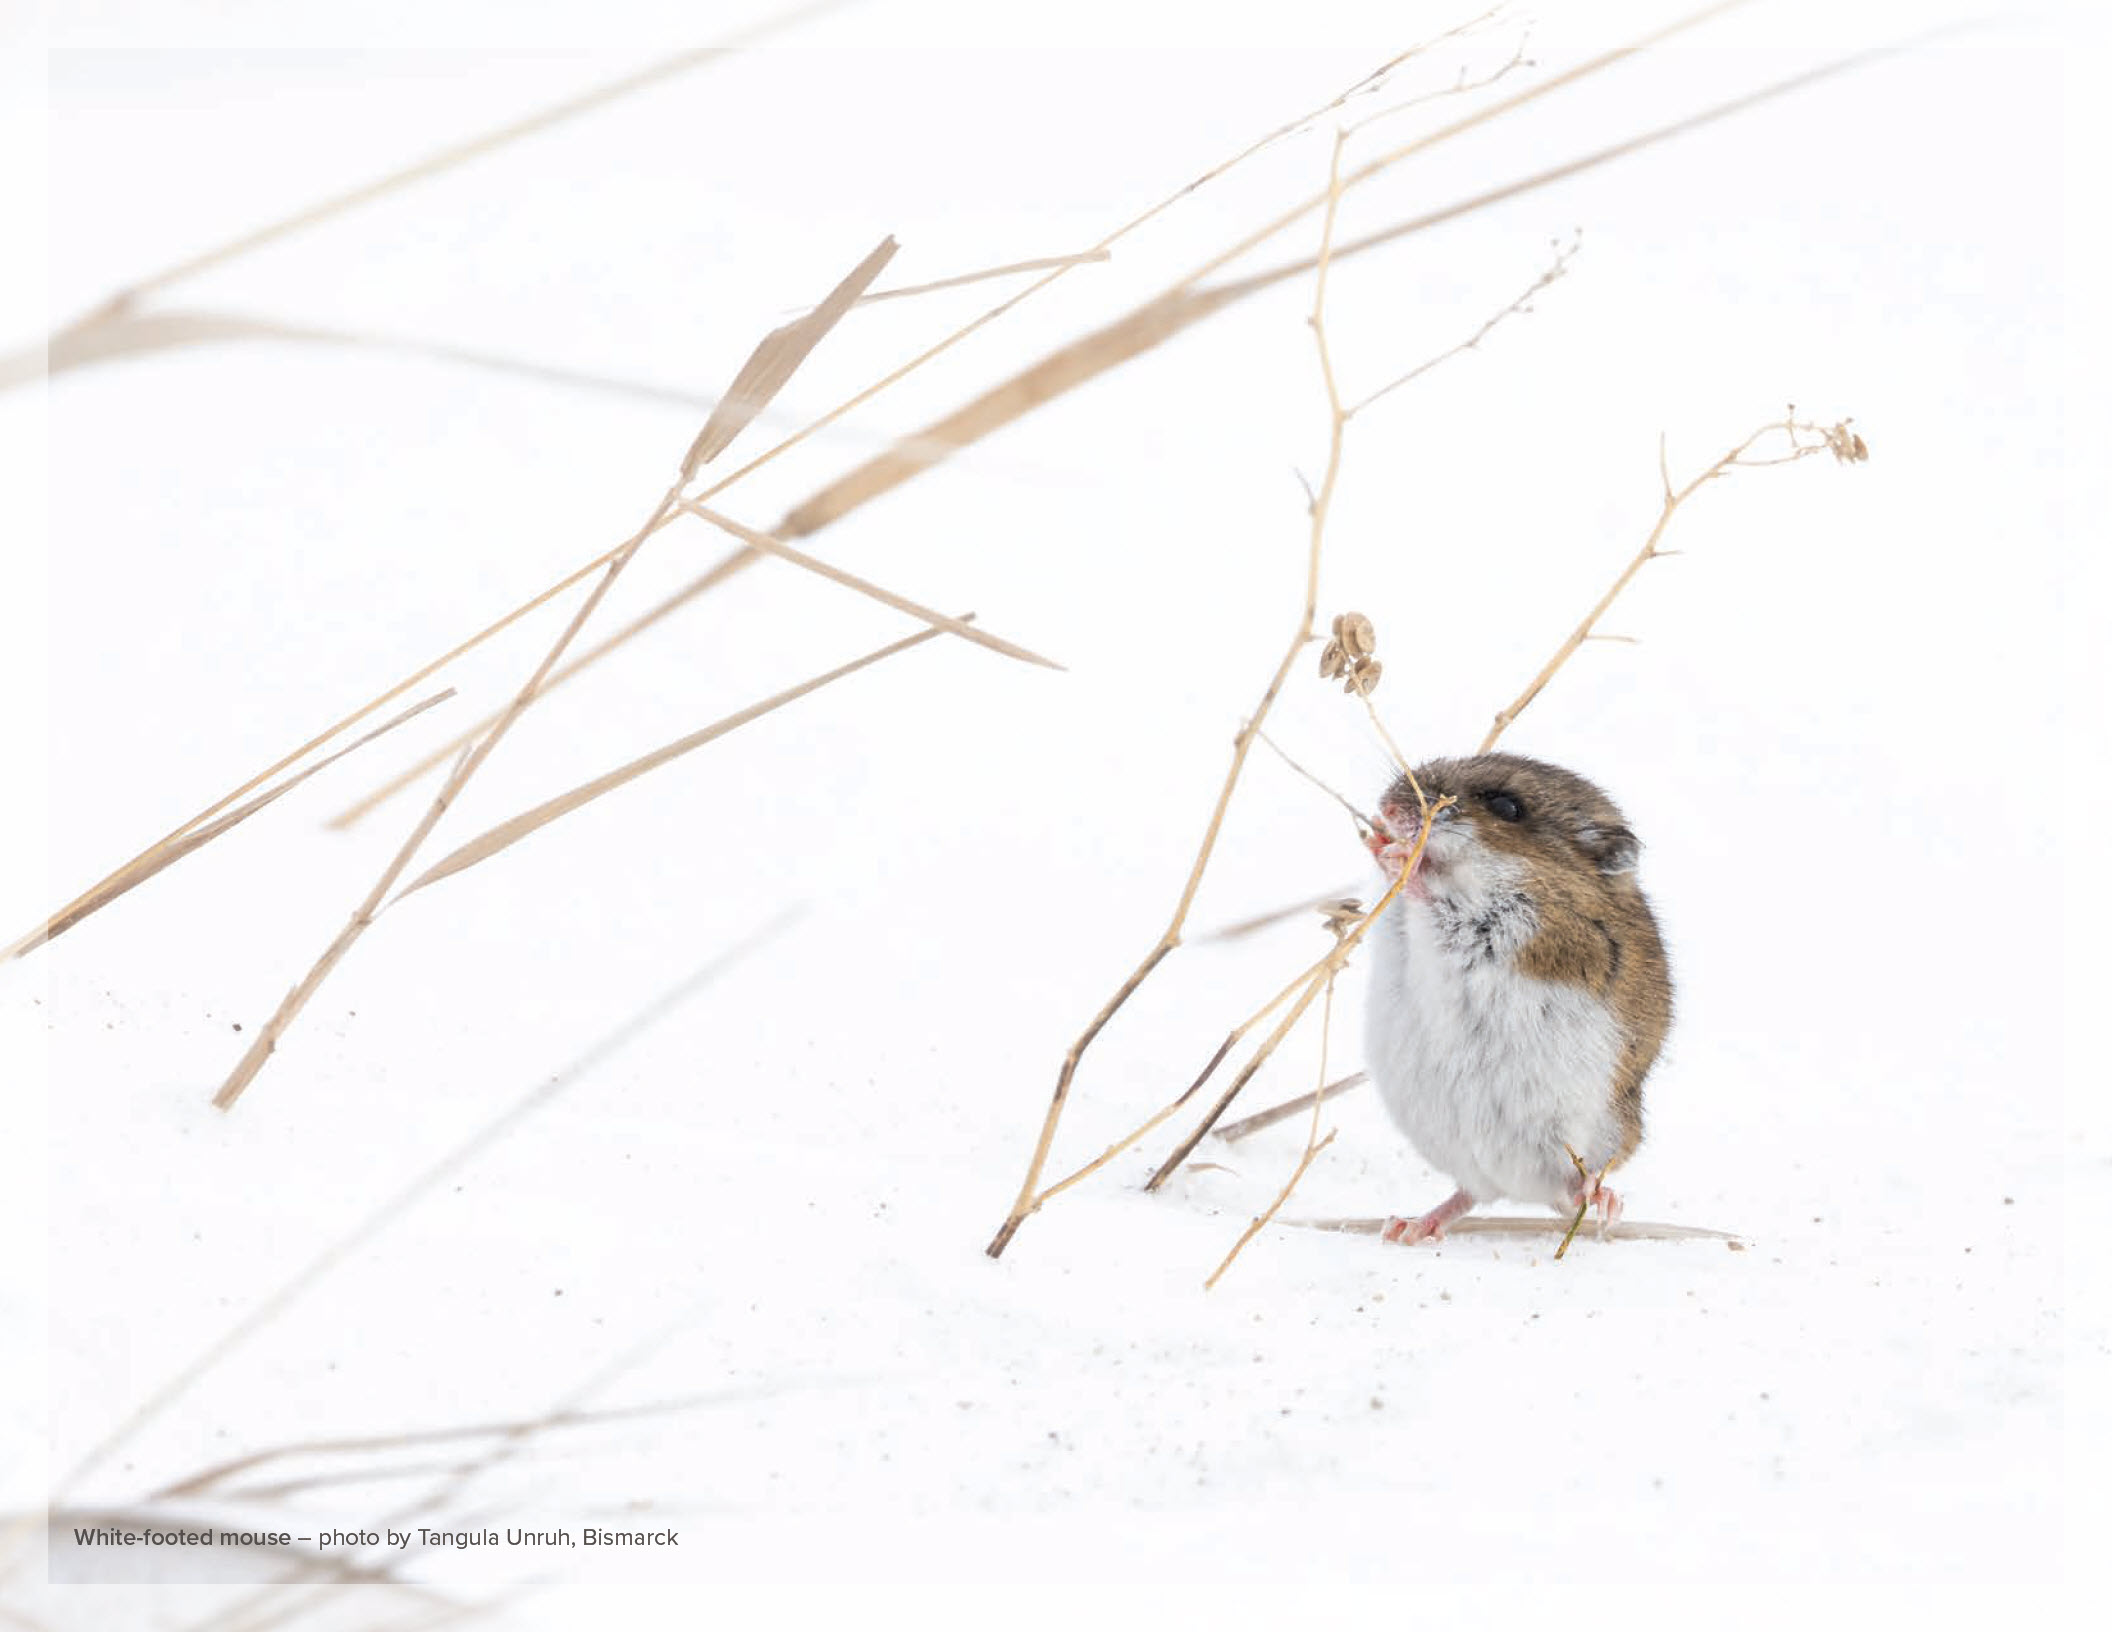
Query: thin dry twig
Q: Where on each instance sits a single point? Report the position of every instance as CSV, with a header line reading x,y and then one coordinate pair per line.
x,y
1363,822
765,372
1522,305
510,832
1462,84
1314,1144
1307,987
1838,439
1256,1226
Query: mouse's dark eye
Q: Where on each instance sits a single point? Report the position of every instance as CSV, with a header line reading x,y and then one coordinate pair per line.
x,y
1506,806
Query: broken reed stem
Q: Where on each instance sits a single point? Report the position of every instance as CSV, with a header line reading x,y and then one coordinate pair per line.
x,y
1314,1144
1233,1132
1029,1198
267,1038
1837,439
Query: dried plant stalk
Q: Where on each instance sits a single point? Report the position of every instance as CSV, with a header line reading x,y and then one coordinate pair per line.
x,y
1311,985
1028,1198
1314,1144
1837,439
795,341
1233,1132
1339,416
510,832
1255,1228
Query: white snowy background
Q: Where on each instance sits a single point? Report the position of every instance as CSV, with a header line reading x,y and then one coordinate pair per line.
x,y
709,1097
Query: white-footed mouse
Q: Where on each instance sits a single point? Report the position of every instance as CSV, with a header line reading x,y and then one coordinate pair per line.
x,y
1519,991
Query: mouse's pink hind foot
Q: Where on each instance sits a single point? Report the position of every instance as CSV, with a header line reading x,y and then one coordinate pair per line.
x,y
1432,1225
1595,1197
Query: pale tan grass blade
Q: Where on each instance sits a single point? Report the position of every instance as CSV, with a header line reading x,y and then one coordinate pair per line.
x,y
864,586
774,359
1010,269
130,880
511,832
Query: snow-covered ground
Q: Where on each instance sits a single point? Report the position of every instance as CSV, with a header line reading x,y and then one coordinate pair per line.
x,y
690,1117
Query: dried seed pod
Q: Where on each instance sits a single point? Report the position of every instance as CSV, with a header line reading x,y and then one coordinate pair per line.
x,y
1333,660
1363,677
1341,916
1355,632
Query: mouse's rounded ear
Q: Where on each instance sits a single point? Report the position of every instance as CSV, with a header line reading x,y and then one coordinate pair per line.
x,y
1613,847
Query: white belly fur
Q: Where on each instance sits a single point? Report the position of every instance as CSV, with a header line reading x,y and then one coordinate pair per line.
x,y
1489,1073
